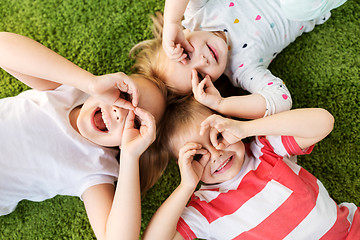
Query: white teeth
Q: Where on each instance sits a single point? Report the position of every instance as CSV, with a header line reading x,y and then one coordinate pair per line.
x,y
104,119
223,165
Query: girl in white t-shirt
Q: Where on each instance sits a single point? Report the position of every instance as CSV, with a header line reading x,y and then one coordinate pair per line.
x,y
237,38
61,137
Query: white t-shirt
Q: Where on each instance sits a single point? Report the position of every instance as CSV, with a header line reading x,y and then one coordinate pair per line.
x,y
256,31
41,155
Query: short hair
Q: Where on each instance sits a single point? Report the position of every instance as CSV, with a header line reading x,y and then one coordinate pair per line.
x,y
178,117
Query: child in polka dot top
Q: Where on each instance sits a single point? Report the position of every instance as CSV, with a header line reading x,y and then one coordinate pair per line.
x,y
238,38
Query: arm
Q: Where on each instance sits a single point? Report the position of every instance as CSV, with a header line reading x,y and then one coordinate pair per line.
x,y
248,106
43,69
308,126
118,216
174,41
163,223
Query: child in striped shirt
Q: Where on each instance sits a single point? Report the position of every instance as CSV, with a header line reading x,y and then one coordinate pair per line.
x,y
249,191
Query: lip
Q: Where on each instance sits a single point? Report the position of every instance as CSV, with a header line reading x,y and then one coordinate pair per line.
x,y
228,163
213,52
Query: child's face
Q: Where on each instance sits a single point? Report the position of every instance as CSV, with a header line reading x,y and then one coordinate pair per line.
x,y
223,164
208,58
103,124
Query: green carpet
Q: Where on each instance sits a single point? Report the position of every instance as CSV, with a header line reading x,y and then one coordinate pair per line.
x,y
321,69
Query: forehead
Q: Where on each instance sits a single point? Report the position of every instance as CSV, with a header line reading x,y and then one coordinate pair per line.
x,y
190,133
150,97
177,75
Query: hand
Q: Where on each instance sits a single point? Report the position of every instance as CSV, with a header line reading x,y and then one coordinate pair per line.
x,y
116,89
174,42
205,91
136,139
191,169
223,131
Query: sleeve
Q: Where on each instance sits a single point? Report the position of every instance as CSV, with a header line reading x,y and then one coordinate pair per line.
x,y
93,180
287,146
193,7
261,81
308,9
192,224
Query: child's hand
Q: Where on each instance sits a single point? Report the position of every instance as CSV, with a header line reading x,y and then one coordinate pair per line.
x,y
115,89
223,131
174,42
139,132
191,169
205,91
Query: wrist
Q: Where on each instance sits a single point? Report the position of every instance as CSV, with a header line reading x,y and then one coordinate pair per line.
x,y
187,187
92,86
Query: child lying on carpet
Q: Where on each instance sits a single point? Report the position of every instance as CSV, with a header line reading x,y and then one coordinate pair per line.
x,y
248,191
62,137
238,38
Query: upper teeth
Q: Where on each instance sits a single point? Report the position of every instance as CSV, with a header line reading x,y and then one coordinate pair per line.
x,y
104,119
223,165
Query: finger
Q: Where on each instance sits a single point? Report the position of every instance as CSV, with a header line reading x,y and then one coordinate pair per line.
x,y
202,87
129,121
208,82
146,120
214,137
194,80
207,123
223,144
187,46
122,103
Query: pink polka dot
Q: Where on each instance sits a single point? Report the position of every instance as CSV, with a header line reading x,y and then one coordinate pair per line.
x,y
231,4
301,28
270,83
241,65
285,96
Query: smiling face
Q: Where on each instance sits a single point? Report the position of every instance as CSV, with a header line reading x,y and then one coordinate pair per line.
x,y
223,164
208,58
103,124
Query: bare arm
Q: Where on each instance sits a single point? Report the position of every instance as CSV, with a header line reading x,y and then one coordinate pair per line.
x,y
37,66
308,126
163,223
118,216
248,106
41,68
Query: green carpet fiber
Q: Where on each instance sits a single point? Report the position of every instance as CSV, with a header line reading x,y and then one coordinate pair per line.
x,y
321,69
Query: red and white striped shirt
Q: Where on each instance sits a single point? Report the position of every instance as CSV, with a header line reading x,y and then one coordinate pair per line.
x,y
271,198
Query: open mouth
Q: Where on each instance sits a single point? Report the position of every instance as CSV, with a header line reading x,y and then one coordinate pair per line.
x,y
99,121
213,52
224,166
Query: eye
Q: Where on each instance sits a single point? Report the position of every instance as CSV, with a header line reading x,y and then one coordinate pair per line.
x,y
197,157
125,96
187,55
137,123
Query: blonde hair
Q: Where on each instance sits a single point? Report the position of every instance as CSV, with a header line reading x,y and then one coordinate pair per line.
x,y
151,165
148,54
179,116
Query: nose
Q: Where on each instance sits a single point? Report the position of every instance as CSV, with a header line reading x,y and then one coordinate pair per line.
x,y
119,113
215,154
202,61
